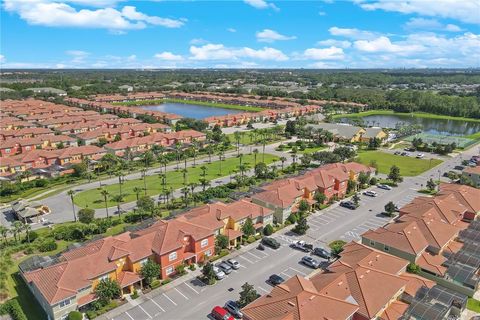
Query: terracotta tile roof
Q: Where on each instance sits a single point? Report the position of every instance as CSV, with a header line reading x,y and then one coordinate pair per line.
x,y
297,299
126,278
466,195
432,263
415,283
281,193
394,311
404,236
472,170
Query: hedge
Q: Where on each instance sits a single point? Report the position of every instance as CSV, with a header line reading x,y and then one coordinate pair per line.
x,y
75,315
12,307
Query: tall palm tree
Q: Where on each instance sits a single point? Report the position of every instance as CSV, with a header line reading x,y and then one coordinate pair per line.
x,y
137,191
195,147
209,151
192,190
4,231
163,179
255,152
118,198
119,174
105,194
144,176
221,155
204,182
71,193
164,161
17,228
185,176
27,228
185,192
177,146
283,160
237,135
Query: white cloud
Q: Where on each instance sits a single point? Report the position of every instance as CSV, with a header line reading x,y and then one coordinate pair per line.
x,y
61,14
261,4
322,13
383,44
430,24
268,35
220,52
198,41
2,58
336,43
232,30
352,33
331,53
78,56
464,10
168,56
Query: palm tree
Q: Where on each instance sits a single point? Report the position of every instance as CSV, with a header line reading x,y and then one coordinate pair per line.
x,y
283,159
4,231
210,151
144,176
17,228
255,152
71,193
177,148
185,176
185,192
194,149
237,135
137,191
27,228
192,190
118,198
163,178
221,154
294,158
105,194
204,182
204,171
119,174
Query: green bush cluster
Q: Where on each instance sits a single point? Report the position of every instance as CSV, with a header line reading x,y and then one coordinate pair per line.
x,y
75,315
12,308
92,314
155,284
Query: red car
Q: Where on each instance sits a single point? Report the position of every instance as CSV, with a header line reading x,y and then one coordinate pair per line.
x,y
220,313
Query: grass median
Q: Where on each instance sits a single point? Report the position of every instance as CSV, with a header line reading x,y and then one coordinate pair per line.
x,y
93,199
409,166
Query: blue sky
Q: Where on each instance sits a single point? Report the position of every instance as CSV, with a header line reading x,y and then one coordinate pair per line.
x,y
240,34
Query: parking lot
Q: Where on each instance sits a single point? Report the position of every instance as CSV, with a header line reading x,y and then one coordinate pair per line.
x,y
191,299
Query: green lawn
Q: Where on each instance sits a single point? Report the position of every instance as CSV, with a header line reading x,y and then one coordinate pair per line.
x,y
390,112
94,199
474,136
312,150
473,304
248,138
409,166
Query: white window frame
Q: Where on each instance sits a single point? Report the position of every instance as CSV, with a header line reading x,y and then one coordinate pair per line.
x,y
172,256
143,261
208,253
104,277
169,270
65,303
204,243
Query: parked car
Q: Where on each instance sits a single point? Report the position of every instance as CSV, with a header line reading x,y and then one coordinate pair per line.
x,y
272,243
397,153
459,168
233,263
219,274
219,313
225,267
348,204
322,253
234,309
370,193
275,279
302,245
384,187
405,154
409,149
309,261
420,155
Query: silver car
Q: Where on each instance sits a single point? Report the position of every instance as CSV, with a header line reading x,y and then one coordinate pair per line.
x,y
233,263
219,274
309,261
225,267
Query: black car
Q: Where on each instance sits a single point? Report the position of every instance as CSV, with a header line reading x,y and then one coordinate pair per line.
x,y
322,253
275,279
459,168
234,309
272,243
405,154
348,204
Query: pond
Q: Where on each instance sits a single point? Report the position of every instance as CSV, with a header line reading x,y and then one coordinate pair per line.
x,y
191,110
429,125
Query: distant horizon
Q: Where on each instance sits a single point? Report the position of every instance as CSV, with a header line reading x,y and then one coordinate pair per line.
x,y
246,69
259,34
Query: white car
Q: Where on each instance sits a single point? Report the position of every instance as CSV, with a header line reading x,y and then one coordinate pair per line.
x,y
384,187
370,193
234,264
219,274
420,155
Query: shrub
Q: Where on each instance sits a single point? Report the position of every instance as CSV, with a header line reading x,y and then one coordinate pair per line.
x,y
134,295
166,281
180,269
155,284
258,237
223,253
287,223
268,230
12,307
413,268
75,315
86,215
337,246
192,267
47,245
251,239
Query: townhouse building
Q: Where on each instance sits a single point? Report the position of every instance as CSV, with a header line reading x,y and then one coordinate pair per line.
x,y
67,282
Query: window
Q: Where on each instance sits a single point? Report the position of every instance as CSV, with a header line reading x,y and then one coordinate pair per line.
x,y
172,256
208,253
64,303
7,150
204,243
143,261
386,248
169,271
372,243
105,277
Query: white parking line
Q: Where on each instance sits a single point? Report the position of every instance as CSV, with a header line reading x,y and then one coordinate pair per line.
x,y
246,259
285,274
191,287
181,293
315,224
242,266
149,316
157,305
298,271
259,258
129,315
169,298
264,290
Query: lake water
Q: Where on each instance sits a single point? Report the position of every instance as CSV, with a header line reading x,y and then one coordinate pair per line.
x,y
431,126
191,110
